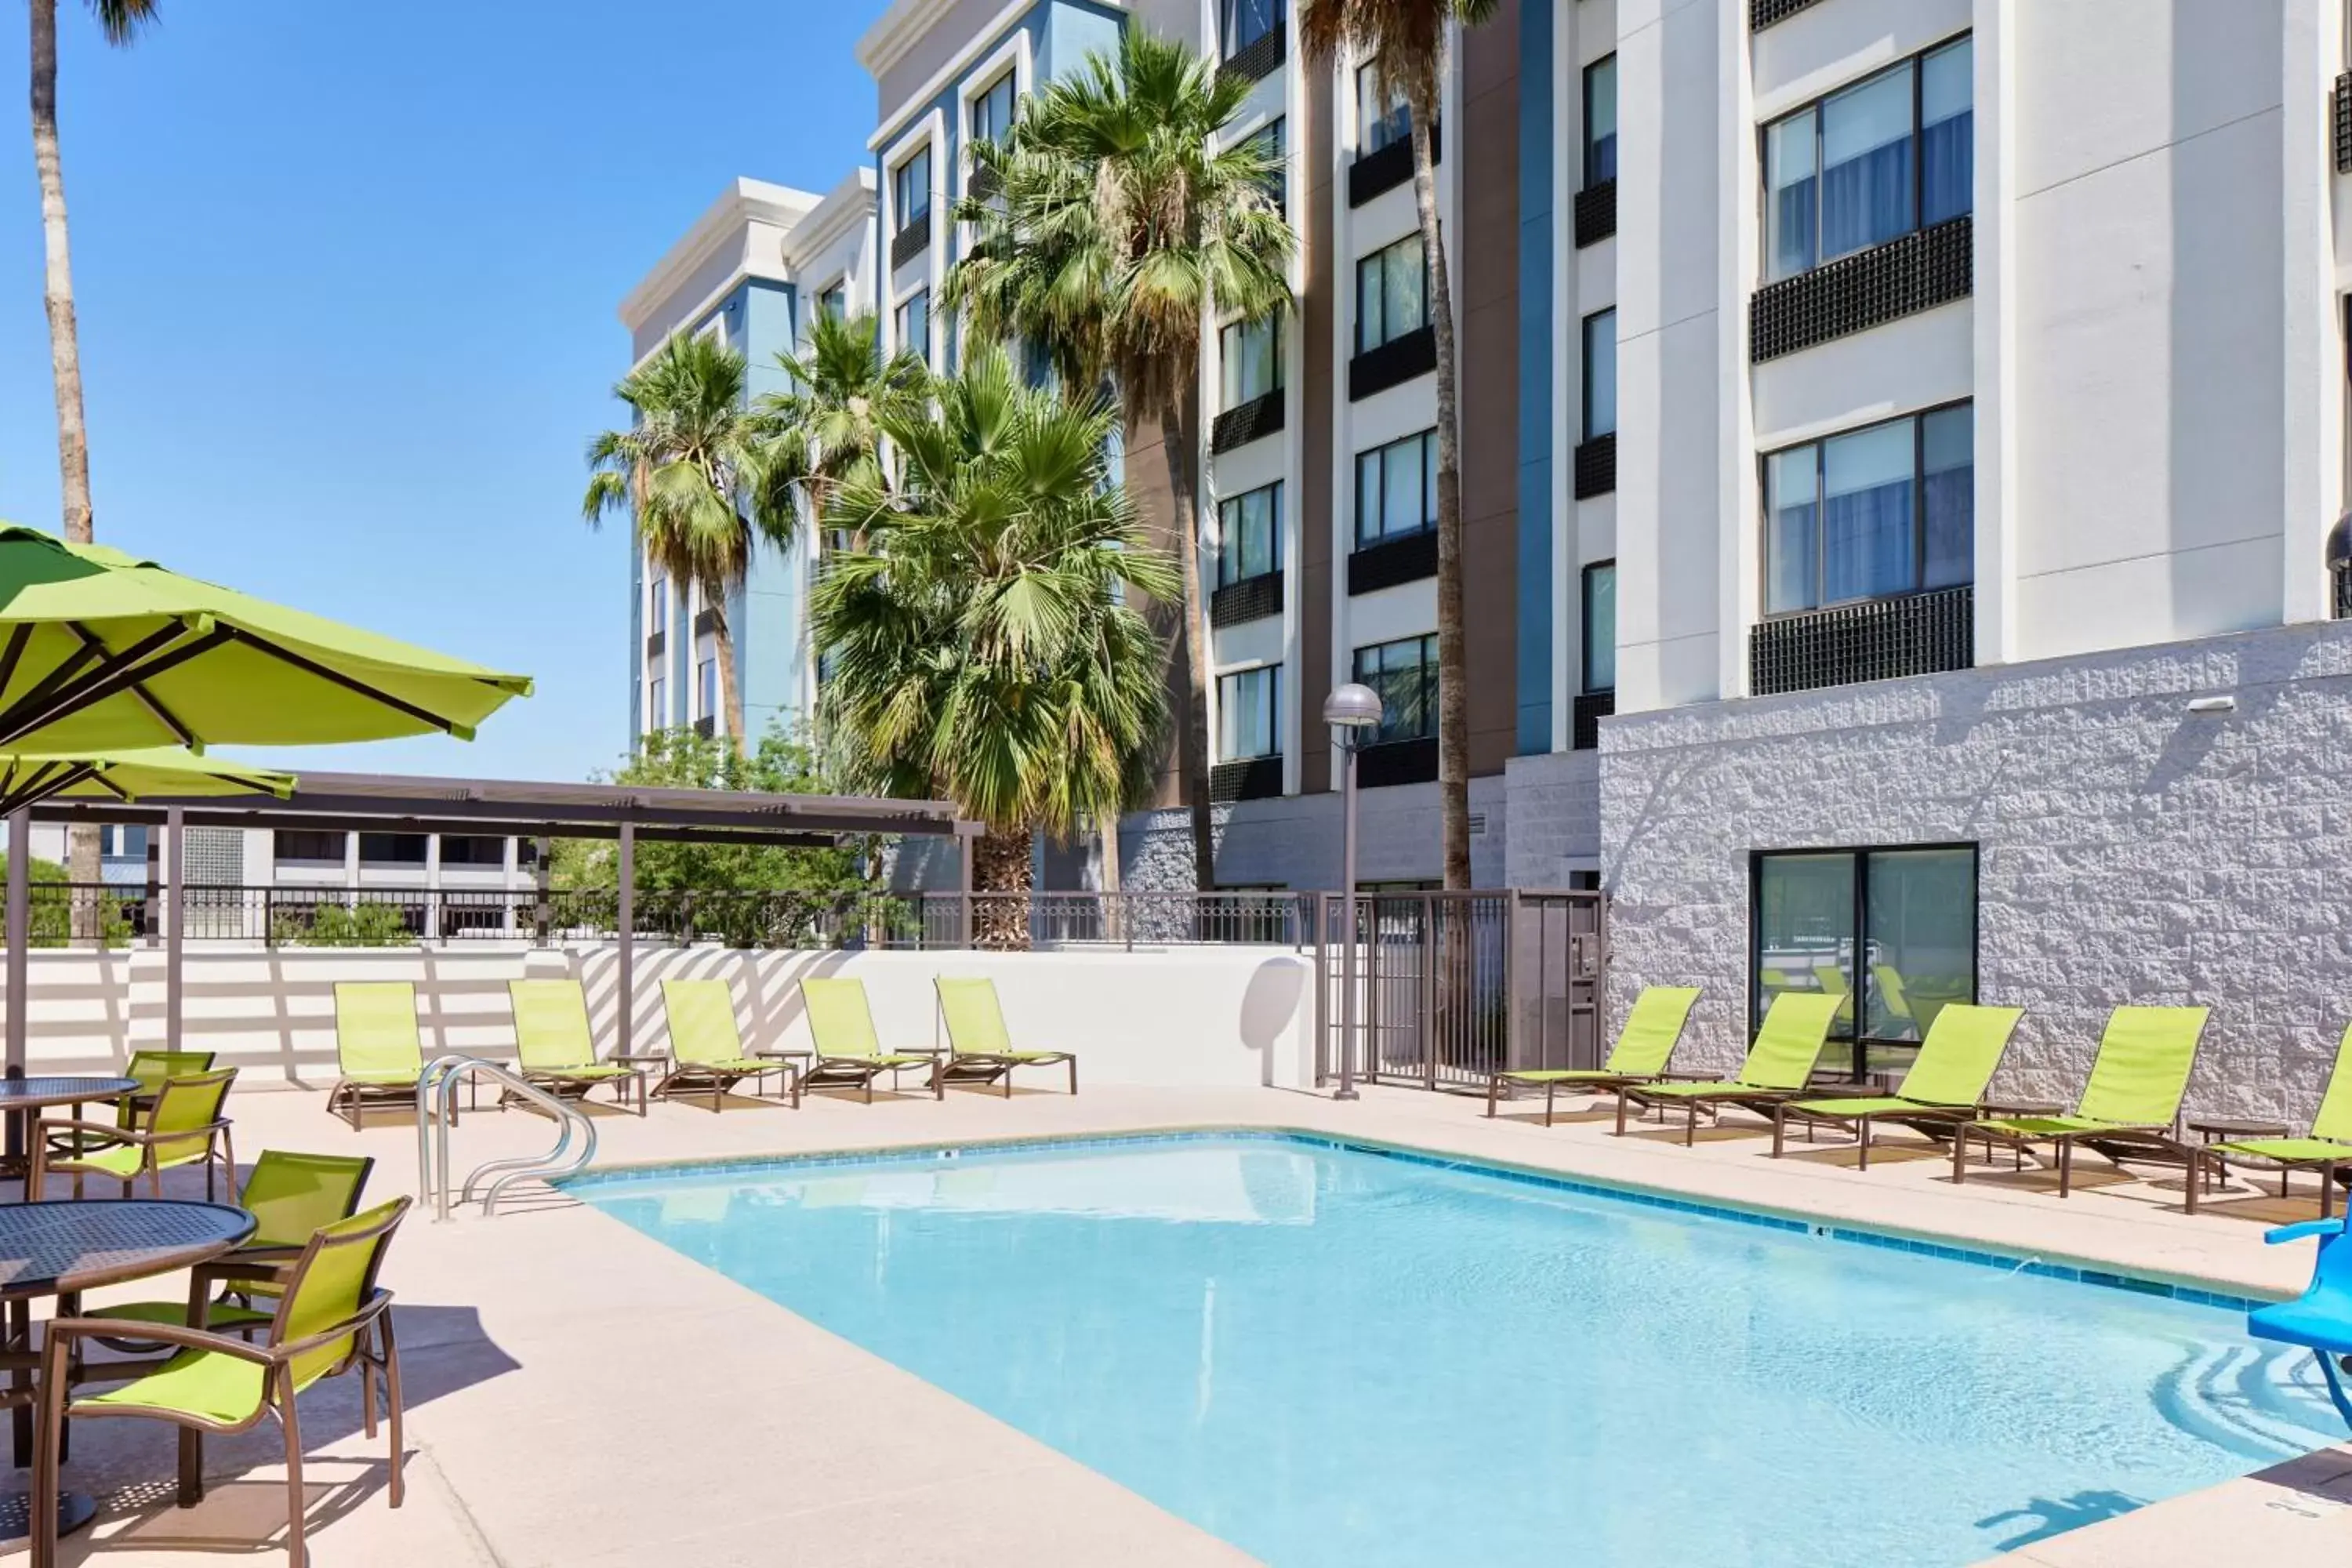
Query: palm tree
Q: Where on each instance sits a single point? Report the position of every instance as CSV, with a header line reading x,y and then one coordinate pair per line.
x,y
1406,42
699,475
1111,227
982,648
828,424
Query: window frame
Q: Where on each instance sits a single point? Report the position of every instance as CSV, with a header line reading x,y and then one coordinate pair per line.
x,y
657,703
1428,524
1918,420
1856,1038
1271,672
1379,255
1428,667
1585,684
1230,507
902,219
1584,354
833,300
898,323
1236,333
1914,62
1228,14
1589,147
1367,79
1008,80
1277,131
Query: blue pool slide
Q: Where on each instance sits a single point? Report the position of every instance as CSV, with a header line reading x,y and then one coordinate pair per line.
x,y
2321,1317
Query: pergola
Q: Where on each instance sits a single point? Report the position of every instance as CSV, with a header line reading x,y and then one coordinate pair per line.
x,y
381,803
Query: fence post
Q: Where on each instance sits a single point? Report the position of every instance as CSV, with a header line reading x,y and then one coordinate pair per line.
x,y
269,918
1433,966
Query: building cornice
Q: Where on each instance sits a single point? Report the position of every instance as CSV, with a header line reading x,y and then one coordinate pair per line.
x,y
885,43
848,205
721,227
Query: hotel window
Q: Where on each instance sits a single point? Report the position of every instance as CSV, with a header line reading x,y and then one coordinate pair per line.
x,y
1391,293
1876,513
1249,535
1250,354
1601,122
1405,675
1601,373
1272,142
915,324
1870,163
992,111
1382,115
834,303
1396,489
657,704
1893,930
910,189
1249,715
301,844
1600,627
1244,22
657,605
705,678
395,849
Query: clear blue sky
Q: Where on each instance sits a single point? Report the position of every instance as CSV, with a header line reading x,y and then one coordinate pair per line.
x,y
348,276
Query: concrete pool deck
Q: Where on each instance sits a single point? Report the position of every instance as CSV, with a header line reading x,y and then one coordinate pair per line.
x,y
581,1395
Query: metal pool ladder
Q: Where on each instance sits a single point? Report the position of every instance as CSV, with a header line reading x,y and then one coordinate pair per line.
x,y
436,1111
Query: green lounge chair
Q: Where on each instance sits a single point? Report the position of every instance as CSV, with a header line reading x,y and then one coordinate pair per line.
x,y
1945,1085
848,1053
1654,1027
979,1047
555,1047
1777,1067
182,1127
706,1049
1831,978
330,1320
291,1197
2129,1105
376,1046
2327,1149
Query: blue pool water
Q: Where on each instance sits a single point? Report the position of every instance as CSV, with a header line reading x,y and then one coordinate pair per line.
x,y
1331,1357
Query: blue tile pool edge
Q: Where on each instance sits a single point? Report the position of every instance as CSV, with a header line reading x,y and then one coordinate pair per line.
x,y
2077,1271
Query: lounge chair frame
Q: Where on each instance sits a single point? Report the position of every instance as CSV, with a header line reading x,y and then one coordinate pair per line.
x,y
2119,1142
63,1144
1600,1080
351,1095
717,1077
985,1067
572,1080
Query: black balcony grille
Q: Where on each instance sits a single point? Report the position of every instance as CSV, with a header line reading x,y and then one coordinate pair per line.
x,y
1257,60
1388,167
984,182
1397,763
705,623
1596,466
1250,599
1393,363
1596,213
655,646
1762,14
1384,565
1255,778
1245,422
1880,640
1885,283
2343,582
2342,117
911,240
1591,707
706,726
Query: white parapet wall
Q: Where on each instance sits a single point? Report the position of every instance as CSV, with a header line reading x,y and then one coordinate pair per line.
x,y
1206,1015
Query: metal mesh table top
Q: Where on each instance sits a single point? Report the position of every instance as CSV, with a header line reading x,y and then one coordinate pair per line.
x,y
50,1246
23,1093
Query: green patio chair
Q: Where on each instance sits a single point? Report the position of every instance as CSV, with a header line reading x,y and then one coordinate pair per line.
x,y
555,1047
291,1198
1945,1085
332,1320
148,1070
1654,1027
1779,1063
2327,1149
377,1049
183,1127
2129,1105
849,1055
979,1047
706,1049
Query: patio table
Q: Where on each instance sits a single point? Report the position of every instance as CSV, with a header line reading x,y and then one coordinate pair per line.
x,y
22,1098
64,1248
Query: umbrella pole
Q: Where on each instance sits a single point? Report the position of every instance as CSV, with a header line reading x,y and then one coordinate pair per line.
x,y
20,937
174,902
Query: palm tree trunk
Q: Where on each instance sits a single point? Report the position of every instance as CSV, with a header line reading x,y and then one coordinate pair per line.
x,y
722,648
1113,914
1000,883
1452,654
1177,439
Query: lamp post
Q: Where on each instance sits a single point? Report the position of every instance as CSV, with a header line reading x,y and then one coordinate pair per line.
x,y
1353,711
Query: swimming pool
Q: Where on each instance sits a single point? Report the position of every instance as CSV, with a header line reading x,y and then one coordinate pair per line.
x,y
1326,1354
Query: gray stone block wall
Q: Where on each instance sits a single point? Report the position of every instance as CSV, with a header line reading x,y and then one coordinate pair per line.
x,y
1294,842
1555,817
2129,850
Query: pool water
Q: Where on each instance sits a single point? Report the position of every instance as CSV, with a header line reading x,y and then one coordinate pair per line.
x,y
1327,1356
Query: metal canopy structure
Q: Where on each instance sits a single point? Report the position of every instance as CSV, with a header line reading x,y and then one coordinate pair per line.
x,y
397,803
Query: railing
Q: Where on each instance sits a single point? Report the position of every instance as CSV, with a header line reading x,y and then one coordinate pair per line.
x,y
437,1112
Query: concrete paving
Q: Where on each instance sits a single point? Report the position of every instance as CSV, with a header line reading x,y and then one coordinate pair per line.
x,y
580,1395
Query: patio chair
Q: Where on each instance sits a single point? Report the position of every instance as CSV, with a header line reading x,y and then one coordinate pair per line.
x,y
185,1126
1945,1086
376,1046
848,1053
2327,1149
2129,1105
979,1047
332,1320
706,1049
2321,1317
555,1047
1653,1027
1777,1067
148,1070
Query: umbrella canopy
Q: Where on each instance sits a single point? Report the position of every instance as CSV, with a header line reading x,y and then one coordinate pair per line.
x,y
99,650
27,778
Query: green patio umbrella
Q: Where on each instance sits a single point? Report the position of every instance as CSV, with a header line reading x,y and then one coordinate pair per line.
x,y
99,650
27,778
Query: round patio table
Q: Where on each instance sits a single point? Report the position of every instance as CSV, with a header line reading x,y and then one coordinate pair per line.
x,y
22,1098
64,1248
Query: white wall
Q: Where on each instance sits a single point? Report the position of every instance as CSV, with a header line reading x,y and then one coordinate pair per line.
x,y
1209,1016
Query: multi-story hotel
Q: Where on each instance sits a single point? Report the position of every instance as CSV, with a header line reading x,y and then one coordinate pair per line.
x,y
1903,446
